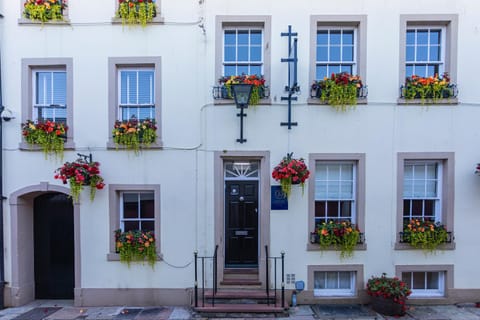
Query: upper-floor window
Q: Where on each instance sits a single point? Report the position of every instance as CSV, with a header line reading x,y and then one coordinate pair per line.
x,y
425,51
136,93
50,95
335,51
335,191
242,51
137,211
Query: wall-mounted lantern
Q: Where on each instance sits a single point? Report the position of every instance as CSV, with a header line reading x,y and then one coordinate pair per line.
x,y
241,94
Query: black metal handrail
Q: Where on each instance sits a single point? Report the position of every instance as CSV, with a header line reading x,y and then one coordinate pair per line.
x,y
450,91
315,238
214,276
221,92
404,238
267,278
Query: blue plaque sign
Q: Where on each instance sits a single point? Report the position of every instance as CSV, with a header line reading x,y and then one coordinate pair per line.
x,y
279,200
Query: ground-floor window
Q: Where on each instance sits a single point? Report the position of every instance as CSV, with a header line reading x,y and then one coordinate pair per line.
x,y
334,283
425,283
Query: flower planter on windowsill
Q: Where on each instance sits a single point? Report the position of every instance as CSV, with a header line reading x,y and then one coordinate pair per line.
x,y
137,12
134,135
48,136
136,246
428,90
44,11
223,93
342,236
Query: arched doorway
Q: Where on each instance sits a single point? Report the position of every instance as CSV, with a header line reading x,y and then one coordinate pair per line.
x,y
53,246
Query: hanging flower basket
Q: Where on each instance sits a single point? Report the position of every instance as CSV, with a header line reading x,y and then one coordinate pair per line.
x,y
290,171
134,134
49,135
79,174
134,12
136,246
44,10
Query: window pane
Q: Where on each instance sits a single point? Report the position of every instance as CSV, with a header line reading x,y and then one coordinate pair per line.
x,y
406,208
322,37
422,53
344,280
319,281
333,68
130,205
242,53
431,188
429,208
435,53
321,72
420,70
242,37
411,37
145,87
417,207
147,226
410,53
422,37
418,280
334,53
256,70
332,210
332,280
44,88
346,68
230,37
348,37
322,53
147,205
320,209
230,53
435,36
131,225
256,37
347,53
407,278
229,71
433,280
409,71
242,70
335,37
432,70
346,209
59,88
255,53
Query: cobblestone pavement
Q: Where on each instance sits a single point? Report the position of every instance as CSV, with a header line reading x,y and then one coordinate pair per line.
x,y
64,310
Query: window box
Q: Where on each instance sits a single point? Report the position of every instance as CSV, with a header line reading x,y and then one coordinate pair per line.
x,y
44,10
343,236
135,134
49,135
259,90
339,91
429,90
137,12
425,235
136,246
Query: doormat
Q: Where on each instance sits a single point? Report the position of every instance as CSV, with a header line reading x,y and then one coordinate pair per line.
x,y
37,313
343,311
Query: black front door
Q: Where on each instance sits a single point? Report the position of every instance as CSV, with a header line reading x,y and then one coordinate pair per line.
x,y
53,246
241,223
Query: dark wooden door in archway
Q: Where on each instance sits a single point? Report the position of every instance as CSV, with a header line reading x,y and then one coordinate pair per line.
x,y
53,247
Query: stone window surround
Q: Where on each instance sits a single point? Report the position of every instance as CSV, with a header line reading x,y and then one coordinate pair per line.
x,y
450,21
359,159
448,192
447,268
242,21
357,21
357,268
29,65
114,213
114,63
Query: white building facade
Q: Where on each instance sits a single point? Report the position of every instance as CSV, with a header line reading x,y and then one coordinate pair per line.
x,y
190,183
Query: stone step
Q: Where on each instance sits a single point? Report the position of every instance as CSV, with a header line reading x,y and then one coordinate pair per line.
x,y
240,308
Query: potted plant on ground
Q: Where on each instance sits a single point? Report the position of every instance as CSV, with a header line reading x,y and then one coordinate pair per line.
x,y
134,12
342,235
339,91
257,90
290,171
49,135
79,174
136,246
424,234
388,295
44,10
428,88
134,134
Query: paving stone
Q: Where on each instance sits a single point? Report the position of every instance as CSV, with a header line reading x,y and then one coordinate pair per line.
x,y
127,314
301,311
37,313
349,311
102,313
180,313
67,314
157,313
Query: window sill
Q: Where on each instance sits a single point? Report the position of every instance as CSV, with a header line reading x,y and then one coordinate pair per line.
x,y
156,20
265,101
451,101
116,257
406,246
69,145
26,22
112,146
316,247
317,101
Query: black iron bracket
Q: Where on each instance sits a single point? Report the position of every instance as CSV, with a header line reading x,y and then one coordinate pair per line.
x,y
292,86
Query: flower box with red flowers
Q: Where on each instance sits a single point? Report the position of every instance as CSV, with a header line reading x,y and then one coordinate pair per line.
x,y
259,90
49,135
79,174
428,89
134,134
136,12
136,246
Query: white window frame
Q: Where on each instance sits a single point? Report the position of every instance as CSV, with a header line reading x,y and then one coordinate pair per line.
x,y
35,106
336,292
437,198
353,201
340,62
248,62
137,105
420,293
441,62
139,218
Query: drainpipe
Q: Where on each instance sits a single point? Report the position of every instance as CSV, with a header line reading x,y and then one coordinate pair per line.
x,y
2,262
